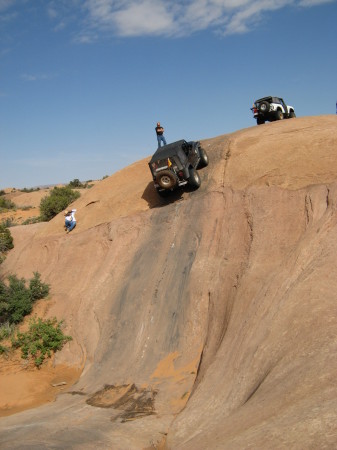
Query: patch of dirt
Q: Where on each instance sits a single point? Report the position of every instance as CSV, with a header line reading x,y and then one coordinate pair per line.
x,y
23,386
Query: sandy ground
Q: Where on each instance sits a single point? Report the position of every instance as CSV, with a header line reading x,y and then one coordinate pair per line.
x,y
22,385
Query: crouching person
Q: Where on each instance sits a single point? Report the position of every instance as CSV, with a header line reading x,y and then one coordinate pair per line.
x,y
70,221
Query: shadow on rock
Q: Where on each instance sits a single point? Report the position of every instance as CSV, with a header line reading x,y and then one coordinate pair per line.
x,y
154,200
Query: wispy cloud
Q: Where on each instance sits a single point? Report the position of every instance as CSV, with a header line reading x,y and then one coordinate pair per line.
x,y
36,77
7,14
90,19
176,17
5,4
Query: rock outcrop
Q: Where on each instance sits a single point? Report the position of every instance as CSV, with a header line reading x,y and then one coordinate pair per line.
x,y
205,321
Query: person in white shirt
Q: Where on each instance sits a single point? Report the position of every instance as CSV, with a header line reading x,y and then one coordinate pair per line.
x,y
70,221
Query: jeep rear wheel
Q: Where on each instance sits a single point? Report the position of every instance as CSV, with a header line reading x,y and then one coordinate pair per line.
x,y
194,179
279,115
166,179
203,158
260,121
264,107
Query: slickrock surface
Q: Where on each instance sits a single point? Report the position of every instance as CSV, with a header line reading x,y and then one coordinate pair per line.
x,y
206,321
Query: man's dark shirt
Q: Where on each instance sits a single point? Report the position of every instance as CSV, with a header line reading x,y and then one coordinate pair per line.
x,y
159,131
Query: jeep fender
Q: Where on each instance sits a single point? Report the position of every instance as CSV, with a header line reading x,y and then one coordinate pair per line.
x,y
277,107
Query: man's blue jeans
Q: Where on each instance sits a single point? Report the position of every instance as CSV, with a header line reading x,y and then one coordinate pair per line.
x,y
161,138
70,225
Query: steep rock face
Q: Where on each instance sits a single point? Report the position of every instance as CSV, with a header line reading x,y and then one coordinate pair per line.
x,y
209,318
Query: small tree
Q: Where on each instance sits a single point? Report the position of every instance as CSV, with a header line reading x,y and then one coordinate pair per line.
x,y
43,338
57,201
16,300
6,204
6,240
75,184
37,289
19,302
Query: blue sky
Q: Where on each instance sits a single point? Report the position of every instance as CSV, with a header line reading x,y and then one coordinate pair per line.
x,y
83,82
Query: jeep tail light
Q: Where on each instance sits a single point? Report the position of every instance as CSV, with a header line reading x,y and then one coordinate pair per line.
x,y
181,174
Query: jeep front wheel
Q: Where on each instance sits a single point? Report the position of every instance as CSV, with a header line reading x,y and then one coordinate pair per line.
x,y
194,178
292,115
166,179
203,158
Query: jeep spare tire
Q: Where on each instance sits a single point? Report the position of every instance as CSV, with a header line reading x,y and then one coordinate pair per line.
x,y
166,179
203,158
194,179
264,107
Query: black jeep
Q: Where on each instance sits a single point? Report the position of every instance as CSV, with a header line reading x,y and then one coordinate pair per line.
x,y
176,165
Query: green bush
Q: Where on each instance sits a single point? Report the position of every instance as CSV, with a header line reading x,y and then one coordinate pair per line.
x,y
6,204
75,184
6,330
16,300
29,189
6,240
2,192
57,201
37,289
31,220
8,222
43,338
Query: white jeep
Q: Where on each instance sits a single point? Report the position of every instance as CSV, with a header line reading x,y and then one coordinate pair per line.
x,y
271,108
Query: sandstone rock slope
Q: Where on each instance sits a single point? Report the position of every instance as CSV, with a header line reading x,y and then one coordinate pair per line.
x,y
207,321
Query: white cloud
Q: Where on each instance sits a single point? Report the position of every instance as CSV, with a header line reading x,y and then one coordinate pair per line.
x,y
132,18
36,77
314,2
5,4
182,17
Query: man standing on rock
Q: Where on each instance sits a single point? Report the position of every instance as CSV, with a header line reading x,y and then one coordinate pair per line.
x,y
160,134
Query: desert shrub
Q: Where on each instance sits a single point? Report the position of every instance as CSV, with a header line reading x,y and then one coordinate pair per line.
x,y
8,222
6,240
29,189
43,338
6,204
31,220
37,289
6,330
3,349
2,192
57,201
16,300
75,184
